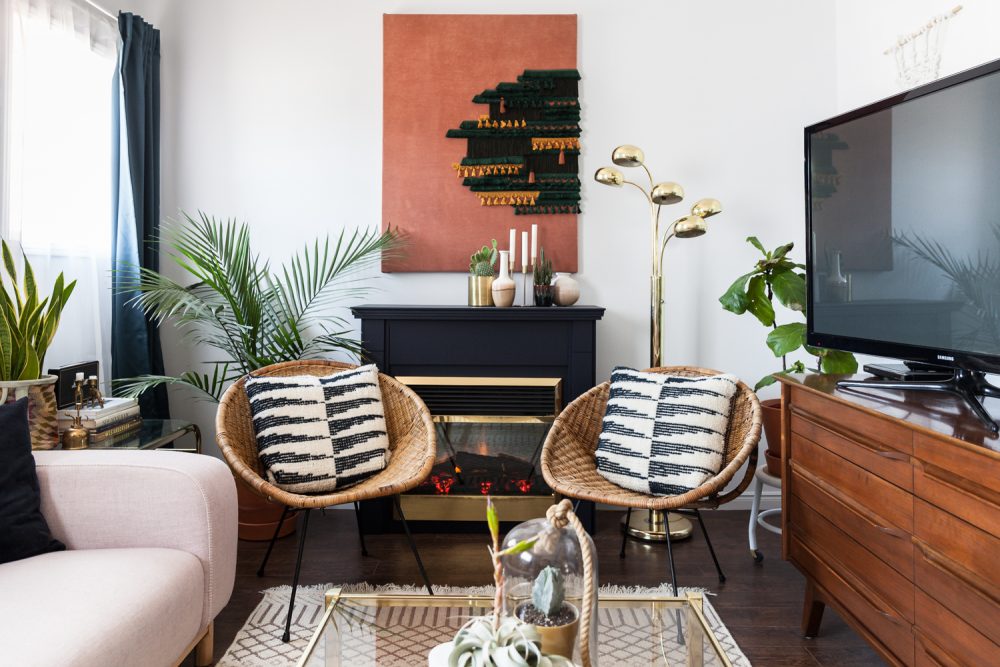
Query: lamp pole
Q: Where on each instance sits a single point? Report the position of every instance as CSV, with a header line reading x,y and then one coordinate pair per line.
x,y
653,527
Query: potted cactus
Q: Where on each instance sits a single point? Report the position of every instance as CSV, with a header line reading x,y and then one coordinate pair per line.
x,y
28,323
481,275
543,280
555,620
497,640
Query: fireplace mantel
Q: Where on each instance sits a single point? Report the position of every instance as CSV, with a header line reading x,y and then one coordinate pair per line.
x,y
559,344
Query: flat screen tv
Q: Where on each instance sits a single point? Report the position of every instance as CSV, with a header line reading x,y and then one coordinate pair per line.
x,y
903,229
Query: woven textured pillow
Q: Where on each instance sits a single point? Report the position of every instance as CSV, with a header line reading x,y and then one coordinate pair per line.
x,y
664,435
318,434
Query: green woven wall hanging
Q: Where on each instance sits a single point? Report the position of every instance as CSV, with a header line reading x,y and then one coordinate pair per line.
x,y
525,152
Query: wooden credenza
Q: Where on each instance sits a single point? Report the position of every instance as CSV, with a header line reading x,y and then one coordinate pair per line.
x,y
892,512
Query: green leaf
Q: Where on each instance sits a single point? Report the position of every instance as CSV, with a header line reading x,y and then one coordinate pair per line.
x,y
787,338
790,289
838,362
8,262
32,368
759,304
765,381
518,548
736,300
492,520
782,250
752,240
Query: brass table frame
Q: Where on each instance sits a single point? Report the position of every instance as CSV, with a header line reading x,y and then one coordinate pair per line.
x,y
692,600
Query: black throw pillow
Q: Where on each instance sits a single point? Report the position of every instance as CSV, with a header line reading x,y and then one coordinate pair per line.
x,y
23,530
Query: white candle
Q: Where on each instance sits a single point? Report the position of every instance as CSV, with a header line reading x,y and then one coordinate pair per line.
x,y
513,246
534,244
79,377
524,251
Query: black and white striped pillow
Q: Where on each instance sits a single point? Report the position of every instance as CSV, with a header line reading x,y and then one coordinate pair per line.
x,y
664,435
317,434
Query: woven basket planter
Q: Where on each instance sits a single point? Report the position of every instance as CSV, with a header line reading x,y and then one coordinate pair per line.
x,y
42,408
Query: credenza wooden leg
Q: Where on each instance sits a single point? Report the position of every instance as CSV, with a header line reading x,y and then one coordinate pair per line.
x,y
812,612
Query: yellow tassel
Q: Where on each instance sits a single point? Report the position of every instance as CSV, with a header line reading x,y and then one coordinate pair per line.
x,y
531,177
495,125
503,106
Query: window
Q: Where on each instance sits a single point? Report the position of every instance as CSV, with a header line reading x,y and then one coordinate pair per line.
x,y
58,164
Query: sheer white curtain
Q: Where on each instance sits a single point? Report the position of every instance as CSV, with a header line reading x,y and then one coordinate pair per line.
x,y
58,162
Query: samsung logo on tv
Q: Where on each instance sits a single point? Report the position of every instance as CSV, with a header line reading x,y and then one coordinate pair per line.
x,y
945,357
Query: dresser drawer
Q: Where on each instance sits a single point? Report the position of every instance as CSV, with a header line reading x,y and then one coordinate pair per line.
x,y
880,625
852,422
950,636
966,493
888,463
847,557
973,553
929,654
887,542
886,500
956,588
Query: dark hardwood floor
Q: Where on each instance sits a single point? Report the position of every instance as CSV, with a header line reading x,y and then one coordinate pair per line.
x,y
760,604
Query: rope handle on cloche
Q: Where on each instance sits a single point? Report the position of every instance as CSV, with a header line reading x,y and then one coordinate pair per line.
x,y
560,515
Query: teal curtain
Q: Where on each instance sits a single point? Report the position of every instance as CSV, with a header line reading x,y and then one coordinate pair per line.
x,y
135,340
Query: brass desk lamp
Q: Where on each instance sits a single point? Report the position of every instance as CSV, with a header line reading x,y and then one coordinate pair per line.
x,y
650,527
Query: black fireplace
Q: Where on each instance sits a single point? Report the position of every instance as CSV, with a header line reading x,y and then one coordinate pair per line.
x,y
494,379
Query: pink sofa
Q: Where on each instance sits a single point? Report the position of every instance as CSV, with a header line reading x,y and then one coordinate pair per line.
x,y
150,561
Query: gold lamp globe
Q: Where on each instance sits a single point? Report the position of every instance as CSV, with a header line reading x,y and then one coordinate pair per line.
x,y
690,226
609,176
628,155
706,208
667,193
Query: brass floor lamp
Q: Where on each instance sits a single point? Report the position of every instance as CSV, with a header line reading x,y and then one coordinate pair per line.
x,y
652,526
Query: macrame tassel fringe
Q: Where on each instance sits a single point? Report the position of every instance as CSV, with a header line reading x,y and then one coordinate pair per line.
x,y
503,106
562,156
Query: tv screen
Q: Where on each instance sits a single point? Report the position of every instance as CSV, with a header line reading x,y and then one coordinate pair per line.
x,y
903,225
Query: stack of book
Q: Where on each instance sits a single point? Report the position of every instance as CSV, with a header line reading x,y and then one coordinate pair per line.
x,y
117,419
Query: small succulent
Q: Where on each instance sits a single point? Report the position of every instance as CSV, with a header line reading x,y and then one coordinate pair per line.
x,y
512,644
548,593
482,261
543,270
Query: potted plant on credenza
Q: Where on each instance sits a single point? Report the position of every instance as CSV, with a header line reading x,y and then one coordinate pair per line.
x,y
28,323
776,277
252,315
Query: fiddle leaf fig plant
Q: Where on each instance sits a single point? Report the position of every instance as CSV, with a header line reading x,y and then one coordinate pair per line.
x,y
778,277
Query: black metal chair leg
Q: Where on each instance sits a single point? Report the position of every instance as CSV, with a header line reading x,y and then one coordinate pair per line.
x,y
670,559
628,518
361,531
413,545
274,538
295,580
704,531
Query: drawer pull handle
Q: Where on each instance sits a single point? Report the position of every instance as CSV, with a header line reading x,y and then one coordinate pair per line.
x,y
892,530
863,512
942,659
891,454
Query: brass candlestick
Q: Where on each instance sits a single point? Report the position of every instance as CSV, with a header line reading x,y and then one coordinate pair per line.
x,y
94,397
76,436
652,526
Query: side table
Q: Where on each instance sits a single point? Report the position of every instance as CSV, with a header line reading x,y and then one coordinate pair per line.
x,y
761,477
157,434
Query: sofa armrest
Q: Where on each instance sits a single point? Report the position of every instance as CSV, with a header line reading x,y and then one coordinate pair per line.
x,y
132,499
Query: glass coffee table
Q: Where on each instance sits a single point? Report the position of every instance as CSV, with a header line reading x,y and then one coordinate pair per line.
x,y
389,630
157,434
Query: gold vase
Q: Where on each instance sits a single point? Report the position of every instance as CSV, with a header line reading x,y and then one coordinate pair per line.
x,y
481,290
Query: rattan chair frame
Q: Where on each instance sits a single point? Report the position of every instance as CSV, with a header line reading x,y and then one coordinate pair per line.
x,y
570,468
412,450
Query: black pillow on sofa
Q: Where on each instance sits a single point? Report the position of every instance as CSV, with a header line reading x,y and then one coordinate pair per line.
x,y
23,530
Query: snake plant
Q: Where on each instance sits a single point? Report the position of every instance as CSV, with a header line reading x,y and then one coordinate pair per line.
x,y
27,323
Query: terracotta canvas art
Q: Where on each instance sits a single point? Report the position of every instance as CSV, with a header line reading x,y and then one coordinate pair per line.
x,y
434,66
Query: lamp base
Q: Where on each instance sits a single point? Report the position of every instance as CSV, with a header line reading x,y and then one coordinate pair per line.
x,y
648,526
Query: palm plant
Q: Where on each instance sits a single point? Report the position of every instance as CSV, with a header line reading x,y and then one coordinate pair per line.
x,y
251,315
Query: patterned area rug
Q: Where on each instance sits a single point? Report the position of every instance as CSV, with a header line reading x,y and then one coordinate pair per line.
x,y
258,643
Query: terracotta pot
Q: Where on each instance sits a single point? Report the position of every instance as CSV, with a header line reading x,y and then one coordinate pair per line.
x,y
771,416
259,517
42,408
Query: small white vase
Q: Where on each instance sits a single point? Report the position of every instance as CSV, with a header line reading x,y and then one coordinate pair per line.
x,y
566,290
503,287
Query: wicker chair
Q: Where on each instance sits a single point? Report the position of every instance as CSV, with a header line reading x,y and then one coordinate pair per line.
x,y
570,468
412,445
